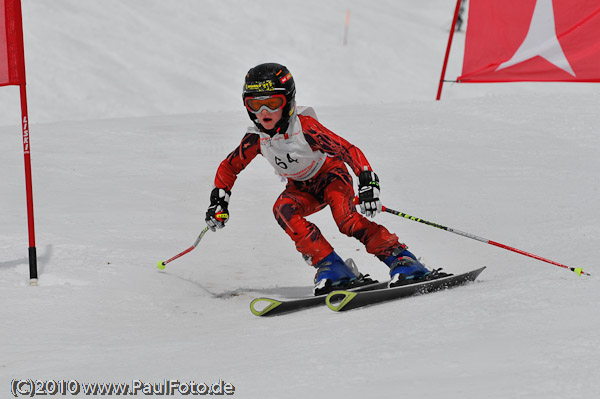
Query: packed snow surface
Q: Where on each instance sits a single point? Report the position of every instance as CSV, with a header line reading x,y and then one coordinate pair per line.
x,y
134,103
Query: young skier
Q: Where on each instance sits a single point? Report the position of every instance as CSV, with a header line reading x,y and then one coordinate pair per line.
x,y
313,159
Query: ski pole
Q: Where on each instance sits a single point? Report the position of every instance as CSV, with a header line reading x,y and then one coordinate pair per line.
x,y
163,263
579,271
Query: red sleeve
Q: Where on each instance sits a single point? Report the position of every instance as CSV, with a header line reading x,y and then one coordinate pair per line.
x,y
235,162
323,139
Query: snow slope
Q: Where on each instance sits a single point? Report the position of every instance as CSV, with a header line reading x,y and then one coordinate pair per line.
x,y
116,192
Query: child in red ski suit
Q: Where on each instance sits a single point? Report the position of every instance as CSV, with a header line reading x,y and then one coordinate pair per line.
x,y
313,159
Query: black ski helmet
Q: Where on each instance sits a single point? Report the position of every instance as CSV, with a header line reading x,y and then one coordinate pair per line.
x,y
268,79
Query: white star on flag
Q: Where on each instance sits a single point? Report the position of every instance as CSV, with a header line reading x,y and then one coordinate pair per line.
x,y
541,40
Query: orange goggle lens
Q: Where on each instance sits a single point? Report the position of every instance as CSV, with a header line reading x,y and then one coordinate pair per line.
x,y
270,103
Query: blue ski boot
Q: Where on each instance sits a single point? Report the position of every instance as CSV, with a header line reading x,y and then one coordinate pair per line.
x,y
404,267
333,273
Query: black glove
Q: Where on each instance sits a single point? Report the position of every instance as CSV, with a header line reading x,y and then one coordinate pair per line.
x,y
368,193
217,214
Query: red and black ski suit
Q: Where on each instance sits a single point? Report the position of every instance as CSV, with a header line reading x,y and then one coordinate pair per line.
x,y
330,184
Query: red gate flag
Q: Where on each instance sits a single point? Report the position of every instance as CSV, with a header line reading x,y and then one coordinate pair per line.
x,y
12,60
532,40
12,72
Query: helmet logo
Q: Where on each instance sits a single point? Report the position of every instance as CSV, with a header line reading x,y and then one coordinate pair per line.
x,y
266,85
286,78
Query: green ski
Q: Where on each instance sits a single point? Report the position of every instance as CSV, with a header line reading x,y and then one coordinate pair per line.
x,y
345,300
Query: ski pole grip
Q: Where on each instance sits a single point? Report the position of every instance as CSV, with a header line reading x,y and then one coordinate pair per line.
x,y
222,216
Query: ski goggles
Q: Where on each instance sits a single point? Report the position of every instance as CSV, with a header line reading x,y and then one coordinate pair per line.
x,y
271,103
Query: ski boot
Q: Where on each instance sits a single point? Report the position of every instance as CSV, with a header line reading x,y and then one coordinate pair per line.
x,y
405,268
335,274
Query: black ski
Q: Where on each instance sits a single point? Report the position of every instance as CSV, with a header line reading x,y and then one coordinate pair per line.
x,y
345,300
274,307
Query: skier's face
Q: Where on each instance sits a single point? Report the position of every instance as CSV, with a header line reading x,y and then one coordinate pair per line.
x,y
267,119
